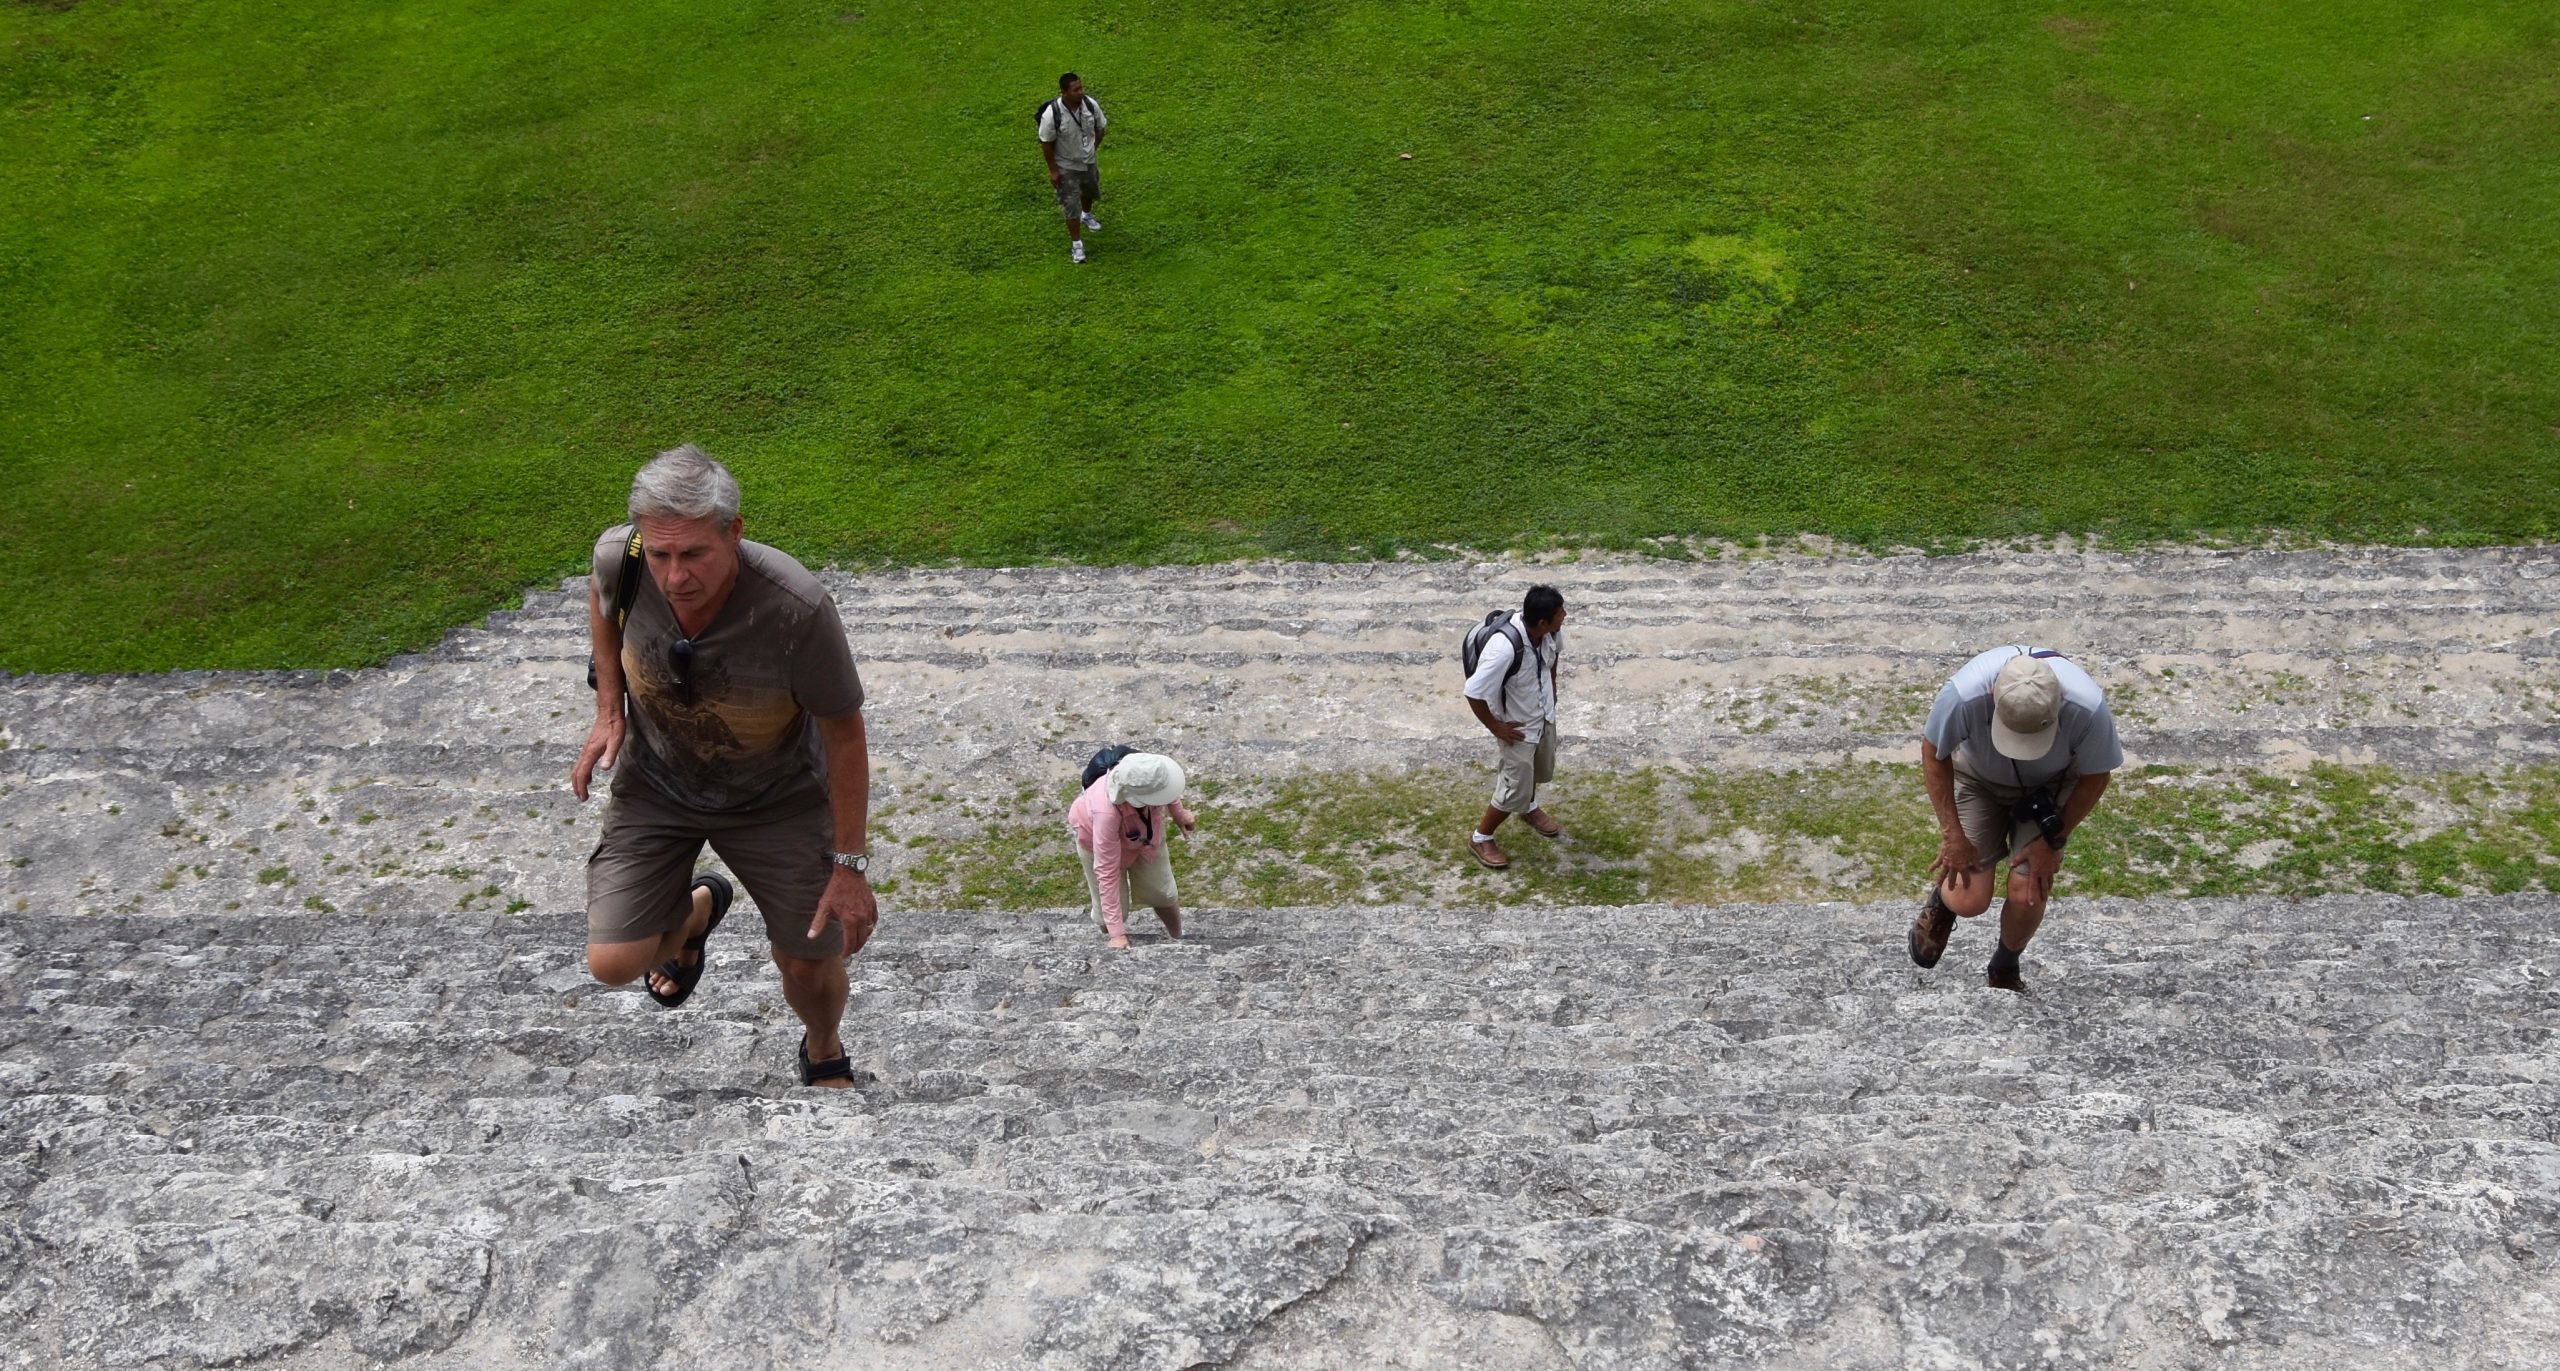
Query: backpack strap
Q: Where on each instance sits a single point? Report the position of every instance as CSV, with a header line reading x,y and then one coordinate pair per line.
x,y
626,587
1519,649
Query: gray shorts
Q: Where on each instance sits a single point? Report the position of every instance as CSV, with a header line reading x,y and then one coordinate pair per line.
x,y
1079,188
1983,810
638,874
1520,768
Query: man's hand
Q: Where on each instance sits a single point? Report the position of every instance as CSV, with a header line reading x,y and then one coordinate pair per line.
x,y
604,748
1506,730
1186,821
2039,863
849,905
1054,178
1955,855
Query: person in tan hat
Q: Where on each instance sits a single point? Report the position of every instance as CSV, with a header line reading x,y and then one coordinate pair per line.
x,y
1120,824
2016,752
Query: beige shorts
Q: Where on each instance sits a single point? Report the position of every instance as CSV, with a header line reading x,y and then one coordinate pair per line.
x,y
1521,768
1079,188
1982,809
1144,886
638,875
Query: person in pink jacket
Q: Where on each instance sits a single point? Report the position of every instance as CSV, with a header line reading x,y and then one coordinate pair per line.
x,y
1120,824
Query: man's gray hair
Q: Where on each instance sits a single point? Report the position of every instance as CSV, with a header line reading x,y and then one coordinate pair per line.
x,y
684,483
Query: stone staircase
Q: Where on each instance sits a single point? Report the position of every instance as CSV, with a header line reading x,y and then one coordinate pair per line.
x,y
302,1069
437,782
2220,1134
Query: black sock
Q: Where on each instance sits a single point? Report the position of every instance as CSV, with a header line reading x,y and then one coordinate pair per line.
x,y
2002,959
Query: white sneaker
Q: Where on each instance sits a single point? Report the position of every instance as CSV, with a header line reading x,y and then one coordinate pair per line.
x,y
1092,225
1076,251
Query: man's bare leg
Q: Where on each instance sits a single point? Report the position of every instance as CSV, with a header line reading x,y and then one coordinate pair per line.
x,y
1967,893
623,963
2020,915
816,990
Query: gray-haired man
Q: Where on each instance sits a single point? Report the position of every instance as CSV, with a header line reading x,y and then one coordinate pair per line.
x,y
2016,752
745,731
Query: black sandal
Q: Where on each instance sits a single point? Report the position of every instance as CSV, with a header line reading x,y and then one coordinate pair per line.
x,y
832,1069
674,969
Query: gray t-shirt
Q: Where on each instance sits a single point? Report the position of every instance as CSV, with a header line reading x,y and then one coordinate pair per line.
x,y
2084,740
772,659
1072,133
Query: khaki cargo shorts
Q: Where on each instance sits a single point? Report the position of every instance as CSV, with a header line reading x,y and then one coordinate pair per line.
x,y
1983,810
1144,886
1521,768
638,875
1079,188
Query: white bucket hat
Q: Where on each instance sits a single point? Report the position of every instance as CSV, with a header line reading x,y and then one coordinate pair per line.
x,y
1144,778
2026,708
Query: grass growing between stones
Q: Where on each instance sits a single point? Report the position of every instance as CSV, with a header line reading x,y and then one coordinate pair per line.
x,y
1859,832
326,334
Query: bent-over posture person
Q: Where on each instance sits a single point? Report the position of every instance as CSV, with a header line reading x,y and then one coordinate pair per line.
x,y
744,731
1120,825
1512,692
2016,752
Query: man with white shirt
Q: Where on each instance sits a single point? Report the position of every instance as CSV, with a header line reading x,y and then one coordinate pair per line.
x,y
1512,690
1071,129
2016,752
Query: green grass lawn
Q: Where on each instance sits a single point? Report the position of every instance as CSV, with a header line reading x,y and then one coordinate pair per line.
x,y
324,327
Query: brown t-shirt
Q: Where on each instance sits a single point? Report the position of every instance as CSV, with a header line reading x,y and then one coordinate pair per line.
x,y
774,658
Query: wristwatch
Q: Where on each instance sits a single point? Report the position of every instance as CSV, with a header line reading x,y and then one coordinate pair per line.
x,y
857,862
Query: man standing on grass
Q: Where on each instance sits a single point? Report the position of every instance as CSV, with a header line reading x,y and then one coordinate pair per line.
x,y
1512,689
1071,129
745,731
2016,752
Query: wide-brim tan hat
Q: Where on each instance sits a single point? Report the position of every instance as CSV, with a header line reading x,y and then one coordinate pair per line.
x,y
2026,708
1145,778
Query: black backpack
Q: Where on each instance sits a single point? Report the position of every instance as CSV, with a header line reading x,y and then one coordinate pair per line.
x,y
1043,110
625,586
1471,648
1103,761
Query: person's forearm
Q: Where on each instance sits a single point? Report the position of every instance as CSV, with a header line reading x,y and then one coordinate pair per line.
x,y
849,780
1939,774
2083,798
1484,715
605,639
1108,858
1049,154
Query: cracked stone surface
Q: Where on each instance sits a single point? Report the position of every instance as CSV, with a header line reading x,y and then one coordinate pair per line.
x,y
2221,1133
334,1102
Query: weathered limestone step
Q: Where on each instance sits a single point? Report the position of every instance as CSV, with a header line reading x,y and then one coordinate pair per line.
x,y
2223,1132
2295,656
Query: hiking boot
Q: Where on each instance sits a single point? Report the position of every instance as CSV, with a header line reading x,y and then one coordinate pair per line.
x,y
1489,854
2005,978
1929,932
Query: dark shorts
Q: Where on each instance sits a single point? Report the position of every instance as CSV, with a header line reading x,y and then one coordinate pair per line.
x,y
1079,188
639,873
